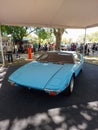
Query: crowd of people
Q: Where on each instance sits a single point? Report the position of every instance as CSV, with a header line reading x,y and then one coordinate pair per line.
x,y
83,48
10,48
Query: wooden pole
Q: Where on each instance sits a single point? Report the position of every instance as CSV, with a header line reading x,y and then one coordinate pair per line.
x,y
2,54
84,42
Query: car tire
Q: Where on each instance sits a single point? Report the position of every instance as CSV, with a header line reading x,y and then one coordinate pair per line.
x,y
81,70
71,86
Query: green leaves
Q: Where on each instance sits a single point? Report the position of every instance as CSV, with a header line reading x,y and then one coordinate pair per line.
x,y
93,37
43,33
16,32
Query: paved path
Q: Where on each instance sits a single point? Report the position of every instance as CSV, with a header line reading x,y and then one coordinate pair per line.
x,y
23,109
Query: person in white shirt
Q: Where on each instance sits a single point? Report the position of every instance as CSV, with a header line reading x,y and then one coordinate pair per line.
x,y
9,50
16,50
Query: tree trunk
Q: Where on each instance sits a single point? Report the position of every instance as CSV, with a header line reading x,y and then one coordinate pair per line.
x,y
58,42
58,34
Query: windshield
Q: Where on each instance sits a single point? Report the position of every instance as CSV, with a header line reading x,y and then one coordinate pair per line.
x,y
56,58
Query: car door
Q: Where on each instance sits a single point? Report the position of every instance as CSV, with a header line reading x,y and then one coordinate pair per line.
x,y
78,63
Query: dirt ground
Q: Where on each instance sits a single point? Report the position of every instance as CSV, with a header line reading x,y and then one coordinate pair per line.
x,y
91,59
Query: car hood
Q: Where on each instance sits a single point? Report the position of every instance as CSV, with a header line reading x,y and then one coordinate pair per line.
x,y
35,74
38,75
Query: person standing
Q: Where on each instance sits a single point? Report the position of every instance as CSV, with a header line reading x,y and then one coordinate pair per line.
x,y
45,47
39,47
16,51
9,51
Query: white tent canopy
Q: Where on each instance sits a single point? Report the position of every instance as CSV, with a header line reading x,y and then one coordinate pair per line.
x,y
49,13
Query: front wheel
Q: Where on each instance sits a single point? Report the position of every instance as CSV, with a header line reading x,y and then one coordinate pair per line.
x,y
71,86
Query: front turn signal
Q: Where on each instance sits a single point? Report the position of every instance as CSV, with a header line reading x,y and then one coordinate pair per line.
x,y
12,83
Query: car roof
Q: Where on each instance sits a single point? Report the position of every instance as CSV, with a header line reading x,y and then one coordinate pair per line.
x,y
63,52
55,56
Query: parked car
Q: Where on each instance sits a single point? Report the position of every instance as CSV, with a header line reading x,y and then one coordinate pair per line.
x,y
52,72
63,47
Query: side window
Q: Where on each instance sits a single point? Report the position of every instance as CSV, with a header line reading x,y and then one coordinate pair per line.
x,y
77,58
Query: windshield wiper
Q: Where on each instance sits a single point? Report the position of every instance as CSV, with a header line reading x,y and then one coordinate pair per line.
x,y
58,63
44,61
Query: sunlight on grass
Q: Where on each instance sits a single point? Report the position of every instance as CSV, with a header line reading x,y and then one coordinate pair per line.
x,y
91,59
4,124
57,117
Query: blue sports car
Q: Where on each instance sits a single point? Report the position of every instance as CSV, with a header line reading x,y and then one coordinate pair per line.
x,y
52,72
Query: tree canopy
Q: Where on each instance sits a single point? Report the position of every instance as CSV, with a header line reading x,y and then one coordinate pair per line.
x,y
93,37
16,32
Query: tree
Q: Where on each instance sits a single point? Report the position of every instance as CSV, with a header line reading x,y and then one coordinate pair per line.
x,y
58,34
93,37
43,33
16,32
46,33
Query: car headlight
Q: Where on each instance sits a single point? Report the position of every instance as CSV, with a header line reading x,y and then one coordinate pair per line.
x,y
11,83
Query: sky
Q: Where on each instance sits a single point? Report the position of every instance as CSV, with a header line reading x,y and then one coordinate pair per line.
x,y
75,33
